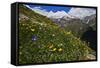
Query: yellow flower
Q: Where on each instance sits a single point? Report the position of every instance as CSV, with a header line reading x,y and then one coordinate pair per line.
x,y
33,30
60,49
23,24
54,49
51,46
68,32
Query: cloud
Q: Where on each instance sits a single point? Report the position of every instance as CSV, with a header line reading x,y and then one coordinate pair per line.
x,y
50,14
74,12
38,9
81,12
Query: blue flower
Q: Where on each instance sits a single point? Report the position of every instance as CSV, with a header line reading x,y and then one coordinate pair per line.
x,y
34,38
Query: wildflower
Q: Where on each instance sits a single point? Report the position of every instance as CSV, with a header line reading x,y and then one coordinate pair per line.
x,y
54,49
34,38
33,30
41,24
23,24
53,35
68,32
73,45
60,49
60,44
50,46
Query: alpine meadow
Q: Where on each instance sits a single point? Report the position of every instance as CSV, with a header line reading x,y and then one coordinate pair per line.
x,y
56,34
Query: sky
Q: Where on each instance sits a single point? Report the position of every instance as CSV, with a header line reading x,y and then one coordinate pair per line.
x,y
61,11
51,8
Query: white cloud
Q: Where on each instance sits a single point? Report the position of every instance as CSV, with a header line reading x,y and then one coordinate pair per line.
x,y
37,7
50,14
38,10
81,12
74,12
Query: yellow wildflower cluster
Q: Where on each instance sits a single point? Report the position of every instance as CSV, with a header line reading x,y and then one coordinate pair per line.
x,y
33,30
69,32
55,49
52,48
60,49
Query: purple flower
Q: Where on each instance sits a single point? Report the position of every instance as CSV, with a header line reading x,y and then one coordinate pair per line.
x,y
34,38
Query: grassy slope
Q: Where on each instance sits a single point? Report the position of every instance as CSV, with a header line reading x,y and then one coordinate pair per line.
x,y
52,44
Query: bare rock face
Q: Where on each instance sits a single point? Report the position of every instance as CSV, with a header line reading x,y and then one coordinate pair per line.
x,y
90,57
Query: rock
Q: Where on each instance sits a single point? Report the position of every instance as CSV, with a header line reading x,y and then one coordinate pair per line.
x,y
91,57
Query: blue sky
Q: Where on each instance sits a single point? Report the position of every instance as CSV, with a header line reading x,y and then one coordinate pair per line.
x,y
51,8
60,11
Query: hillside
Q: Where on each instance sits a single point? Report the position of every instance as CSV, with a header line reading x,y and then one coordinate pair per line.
x,y
76,25
84,28
42,40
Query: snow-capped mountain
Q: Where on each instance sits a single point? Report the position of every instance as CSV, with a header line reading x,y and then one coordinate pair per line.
x,y
77,13
73,14
58,14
